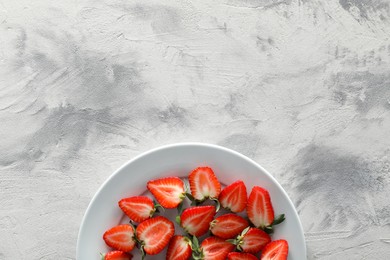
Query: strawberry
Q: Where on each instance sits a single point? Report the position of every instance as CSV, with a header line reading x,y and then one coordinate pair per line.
x,y
179,248
240,256
252,240
117,255
138,208
120,237
234,197
204,184
215,248
169,192
228,225
196,220
259,208
154,234
276,250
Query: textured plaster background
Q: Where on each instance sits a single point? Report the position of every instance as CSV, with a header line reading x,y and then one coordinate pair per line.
x,y
302,87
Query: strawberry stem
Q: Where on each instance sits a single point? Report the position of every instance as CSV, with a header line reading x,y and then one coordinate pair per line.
x,y
143,254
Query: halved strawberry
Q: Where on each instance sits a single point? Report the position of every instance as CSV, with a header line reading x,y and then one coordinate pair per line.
x,y
204,184
154,234
234,197
252,240
228,225
196,220
259,208
120,237
117,255
276,250
179,248
215,248
169,191
240,256
138,208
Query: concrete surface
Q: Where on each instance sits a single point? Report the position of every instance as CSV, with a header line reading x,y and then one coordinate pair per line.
x,y
302,87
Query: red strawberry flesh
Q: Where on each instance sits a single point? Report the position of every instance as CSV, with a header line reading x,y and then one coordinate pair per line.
x,y
254,240
196,220
155,234
215,248
234,197
276,250
137,208
169,192
120,237
204,184
240,256
259,208
179,248
228,225
117,255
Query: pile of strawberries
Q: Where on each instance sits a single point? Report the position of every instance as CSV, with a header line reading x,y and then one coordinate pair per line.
x,y
230,236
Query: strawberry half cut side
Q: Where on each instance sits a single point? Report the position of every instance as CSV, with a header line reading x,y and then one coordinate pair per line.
x,y
234,197
179,248
213,248
204,184
154,234
120,237
251,240
196,220
169,192
117,255
137,208
240,256
228,225
276,250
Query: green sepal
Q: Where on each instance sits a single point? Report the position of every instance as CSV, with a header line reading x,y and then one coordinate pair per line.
x,y
178,220
268,229
189,196
279,219
195,243
180,207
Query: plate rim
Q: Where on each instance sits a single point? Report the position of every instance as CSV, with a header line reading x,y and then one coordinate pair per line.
x,y
181,144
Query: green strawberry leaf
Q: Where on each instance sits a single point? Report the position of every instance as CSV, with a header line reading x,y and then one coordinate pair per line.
x,y
279,219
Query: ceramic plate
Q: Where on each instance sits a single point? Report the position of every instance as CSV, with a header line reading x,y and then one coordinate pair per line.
x,y
178,160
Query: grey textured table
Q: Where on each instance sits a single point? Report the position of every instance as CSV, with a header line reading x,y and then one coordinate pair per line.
x,y
302,87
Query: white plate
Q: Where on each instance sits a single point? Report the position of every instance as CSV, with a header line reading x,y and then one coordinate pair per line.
x,y
178,160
